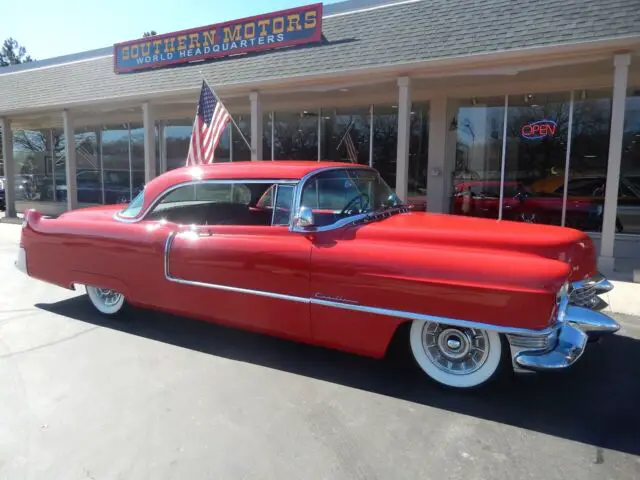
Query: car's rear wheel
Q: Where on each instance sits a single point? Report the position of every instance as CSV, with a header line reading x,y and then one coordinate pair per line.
x,y
455,356
106,301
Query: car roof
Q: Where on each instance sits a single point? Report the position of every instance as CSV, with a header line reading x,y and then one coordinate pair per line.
x,y
292,170
253,170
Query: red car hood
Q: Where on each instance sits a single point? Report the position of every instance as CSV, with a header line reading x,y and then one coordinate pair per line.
x,y
452,231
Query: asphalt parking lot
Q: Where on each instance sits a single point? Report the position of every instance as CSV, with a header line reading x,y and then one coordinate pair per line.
x,y
160,397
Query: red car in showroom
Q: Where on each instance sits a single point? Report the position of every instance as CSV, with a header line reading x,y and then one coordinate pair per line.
x,y
325,253
481,198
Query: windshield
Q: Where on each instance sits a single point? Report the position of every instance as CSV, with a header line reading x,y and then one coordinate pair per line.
x,y
338,194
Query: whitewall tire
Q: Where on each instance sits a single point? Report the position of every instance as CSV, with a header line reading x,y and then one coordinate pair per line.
x,y
108,302
454,356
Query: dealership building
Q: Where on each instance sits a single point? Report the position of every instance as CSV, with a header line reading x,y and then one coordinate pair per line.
x,y
510,109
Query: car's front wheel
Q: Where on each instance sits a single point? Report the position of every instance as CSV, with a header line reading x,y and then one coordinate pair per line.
x,y
106,301
455,356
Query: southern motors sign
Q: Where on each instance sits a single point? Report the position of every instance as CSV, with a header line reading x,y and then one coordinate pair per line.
x,y
273,30
538,130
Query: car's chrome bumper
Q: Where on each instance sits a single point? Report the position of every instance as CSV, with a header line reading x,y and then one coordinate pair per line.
x,y
577,322
584,293
567,344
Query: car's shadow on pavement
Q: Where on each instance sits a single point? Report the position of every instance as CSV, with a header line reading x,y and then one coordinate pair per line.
x,y
596,402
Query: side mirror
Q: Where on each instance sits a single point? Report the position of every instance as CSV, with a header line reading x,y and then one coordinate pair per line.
x,y
304,218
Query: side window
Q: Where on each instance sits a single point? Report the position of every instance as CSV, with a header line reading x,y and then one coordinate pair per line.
x,y
281,211
213,203
282,208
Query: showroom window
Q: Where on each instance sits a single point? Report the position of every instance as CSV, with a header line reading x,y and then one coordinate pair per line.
x,y
34,152
385,142
137,158
537,155
345,134
240,151
295,135
536,146
177,135
418,155
628,214
479,126
116,177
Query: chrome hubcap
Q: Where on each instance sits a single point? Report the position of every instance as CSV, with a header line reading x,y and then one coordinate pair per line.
x,y
108,297
455,350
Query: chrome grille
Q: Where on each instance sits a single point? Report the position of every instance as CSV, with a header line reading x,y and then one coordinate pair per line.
x,y
584,296
533,342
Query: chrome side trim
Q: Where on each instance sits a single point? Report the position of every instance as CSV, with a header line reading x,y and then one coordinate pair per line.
x,y
144,213
348,306
430,318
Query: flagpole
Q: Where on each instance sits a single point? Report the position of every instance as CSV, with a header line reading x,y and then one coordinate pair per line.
x,y
230,116
195,119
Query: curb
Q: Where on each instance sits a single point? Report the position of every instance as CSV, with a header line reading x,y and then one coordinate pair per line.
x,y
624,298
15,221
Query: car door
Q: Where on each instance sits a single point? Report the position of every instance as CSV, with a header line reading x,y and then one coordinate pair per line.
x,y
251,275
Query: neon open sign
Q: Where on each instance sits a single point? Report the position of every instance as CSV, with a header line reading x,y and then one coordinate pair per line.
x,y
539,129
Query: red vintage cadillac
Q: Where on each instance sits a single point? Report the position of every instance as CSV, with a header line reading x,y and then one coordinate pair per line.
x,y
326,253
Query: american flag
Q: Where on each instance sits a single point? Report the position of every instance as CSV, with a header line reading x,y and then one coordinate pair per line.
x,y
211,119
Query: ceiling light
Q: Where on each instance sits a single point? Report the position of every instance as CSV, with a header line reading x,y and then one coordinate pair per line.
x,y
344,89
394,106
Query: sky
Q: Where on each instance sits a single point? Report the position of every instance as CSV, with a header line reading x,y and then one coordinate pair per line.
x,y
62,27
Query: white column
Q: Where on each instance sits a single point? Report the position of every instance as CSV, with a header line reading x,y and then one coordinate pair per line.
x,y
256,126
451,147
9,169
404,129
70,152
148,124
438,127
621,70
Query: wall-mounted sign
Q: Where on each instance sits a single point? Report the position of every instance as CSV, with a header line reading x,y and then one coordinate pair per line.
x,y
540,129
273,30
